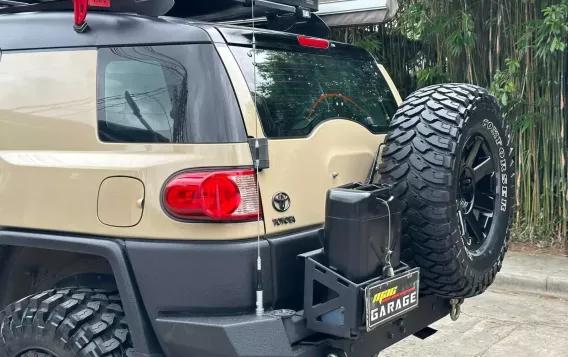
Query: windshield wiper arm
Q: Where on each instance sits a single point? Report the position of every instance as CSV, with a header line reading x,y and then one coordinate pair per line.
x,y
136,111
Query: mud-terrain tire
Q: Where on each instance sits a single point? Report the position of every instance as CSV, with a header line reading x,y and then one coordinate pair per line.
x,y
446,189
66,322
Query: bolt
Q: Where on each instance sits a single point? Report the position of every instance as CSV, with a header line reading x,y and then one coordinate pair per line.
x,y
391,335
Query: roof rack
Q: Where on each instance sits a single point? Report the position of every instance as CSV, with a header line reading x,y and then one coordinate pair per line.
x,y
282,15
295,16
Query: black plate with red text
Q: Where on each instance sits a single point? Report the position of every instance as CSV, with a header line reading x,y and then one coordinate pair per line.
x,y
388,299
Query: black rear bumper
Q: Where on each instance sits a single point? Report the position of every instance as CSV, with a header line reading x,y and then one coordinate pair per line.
x,y
200,298
268,336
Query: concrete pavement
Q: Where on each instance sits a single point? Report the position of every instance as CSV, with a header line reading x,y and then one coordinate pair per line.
x,y
534,273
496,324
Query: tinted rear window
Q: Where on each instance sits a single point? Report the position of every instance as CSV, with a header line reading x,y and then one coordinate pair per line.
x,y
296,91
166,94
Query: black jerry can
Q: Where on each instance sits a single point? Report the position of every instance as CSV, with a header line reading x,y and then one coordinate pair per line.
x,y
356,230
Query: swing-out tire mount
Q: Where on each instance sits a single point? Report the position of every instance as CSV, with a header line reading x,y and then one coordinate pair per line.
x,y
449,158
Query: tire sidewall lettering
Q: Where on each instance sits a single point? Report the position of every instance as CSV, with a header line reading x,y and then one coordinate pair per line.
x,y
486,122
495,133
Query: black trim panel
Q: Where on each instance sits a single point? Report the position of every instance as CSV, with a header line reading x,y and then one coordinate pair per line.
x,y
55,30
143,337
219,277
199,278
288,270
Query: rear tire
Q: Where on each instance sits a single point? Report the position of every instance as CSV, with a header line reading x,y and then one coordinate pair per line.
x,y
449,158
65,323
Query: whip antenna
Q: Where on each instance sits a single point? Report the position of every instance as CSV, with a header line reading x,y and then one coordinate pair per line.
x,y
259,290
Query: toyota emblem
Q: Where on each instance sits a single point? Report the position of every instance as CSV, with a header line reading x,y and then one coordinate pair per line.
x,y
281,202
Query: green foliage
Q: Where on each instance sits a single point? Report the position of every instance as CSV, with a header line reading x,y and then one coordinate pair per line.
x,y
413,21
517,49
370,43
432,75
504,85
552,30
460,34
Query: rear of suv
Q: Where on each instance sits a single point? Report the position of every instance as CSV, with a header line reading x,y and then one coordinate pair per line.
x,y
149,164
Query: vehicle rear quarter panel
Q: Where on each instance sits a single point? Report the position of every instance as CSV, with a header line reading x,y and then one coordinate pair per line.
x,y
52,163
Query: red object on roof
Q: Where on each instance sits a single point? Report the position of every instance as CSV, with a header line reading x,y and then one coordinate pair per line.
x,y
80,12
99,3
80,9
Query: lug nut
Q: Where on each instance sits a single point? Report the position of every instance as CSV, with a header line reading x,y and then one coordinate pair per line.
x,y
391,335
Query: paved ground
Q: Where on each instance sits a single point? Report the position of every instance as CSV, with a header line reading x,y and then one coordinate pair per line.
x,y
534,273
496,324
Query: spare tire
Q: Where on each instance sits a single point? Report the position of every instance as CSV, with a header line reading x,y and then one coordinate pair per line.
x,y
449,158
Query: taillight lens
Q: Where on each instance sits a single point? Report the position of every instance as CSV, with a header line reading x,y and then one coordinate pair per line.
x,y
213,195
313,42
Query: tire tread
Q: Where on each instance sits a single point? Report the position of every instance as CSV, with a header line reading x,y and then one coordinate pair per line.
x,y
77,320
418,161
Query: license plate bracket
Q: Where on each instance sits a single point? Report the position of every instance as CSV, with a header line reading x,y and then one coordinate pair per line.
x,y
386,300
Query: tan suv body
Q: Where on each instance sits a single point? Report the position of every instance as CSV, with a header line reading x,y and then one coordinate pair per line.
x,y
64,177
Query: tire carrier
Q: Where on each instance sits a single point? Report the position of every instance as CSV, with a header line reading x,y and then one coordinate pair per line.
x,y
351,294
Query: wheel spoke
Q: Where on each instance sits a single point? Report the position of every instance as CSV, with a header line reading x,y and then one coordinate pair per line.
x,y
483,169
473,152
461,222
485,148
475,226
484,202
487,218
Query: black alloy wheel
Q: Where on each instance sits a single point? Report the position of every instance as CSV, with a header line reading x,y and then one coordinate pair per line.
x,y
476,192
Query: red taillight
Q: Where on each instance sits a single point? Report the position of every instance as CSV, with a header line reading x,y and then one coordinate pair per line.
x,y
313,42
213,195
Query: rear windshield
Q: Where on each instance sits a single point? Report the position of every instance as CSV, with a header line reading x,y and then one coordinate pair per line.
x,y
296,91
166,94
